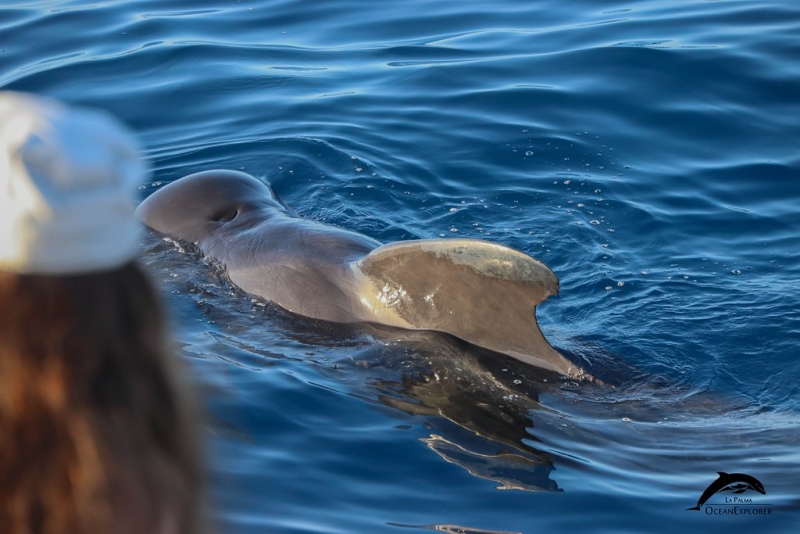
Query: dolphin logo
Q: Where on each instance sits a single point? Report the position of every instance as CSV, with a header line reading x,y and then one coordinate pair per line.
x,y
735,482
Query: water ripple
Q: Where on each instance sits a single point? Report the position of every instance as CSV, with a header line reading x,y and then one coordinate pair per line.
x,y
646,152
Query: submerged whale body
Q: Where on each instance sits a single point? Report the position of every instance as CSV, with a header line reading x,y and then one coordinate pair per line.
x,y
481,292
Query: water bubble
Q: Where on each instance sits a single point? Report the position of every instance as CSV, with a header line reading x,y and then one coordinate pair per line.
x,y
453,209
594,222
620,284
736,272
609,288
454,229
529,153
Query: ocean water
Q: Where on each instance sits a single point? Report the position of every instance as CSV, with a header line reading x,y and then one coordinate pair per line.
x,y
647,151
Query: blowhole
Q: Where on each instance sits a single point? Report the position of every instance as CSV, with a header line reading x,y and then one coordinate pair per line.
x,y
226,215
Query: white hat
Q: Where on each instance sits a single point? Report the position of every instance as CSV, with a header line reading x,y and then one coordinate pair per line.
x,y
68,183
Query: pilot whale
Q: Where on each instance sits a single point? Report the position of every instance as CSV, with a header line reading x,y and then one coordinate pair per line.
x,y
481,292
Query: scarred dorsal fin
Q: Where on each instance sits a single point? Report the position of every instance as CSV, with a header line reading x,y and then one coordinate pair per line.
x,y
478,291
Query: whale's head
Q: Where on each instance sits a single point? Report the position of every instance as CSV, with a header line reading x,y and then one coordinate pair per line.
x,y
201,204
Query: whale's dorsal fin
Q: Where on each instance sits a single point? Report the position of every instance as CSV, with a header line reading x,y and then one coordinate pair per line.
x,y
722,473
478,291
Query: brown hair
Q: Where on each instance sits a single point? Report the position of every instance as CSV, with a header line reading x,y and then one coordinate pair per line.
x,y
94,434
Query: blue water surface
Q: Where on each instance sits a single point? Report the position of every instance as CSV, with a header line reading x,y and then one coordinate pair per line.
x,y
647,151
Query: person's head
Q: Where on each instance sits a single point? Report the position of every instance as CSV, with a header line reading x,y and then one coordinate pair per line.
x,y
94,435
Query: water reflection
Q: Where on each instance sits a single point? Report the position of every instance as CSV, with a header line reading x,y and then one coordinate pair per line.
x,y
478,406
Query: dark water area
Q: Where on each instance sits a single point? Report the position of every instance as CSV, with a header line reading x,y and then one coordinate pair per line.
x,y
647,152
